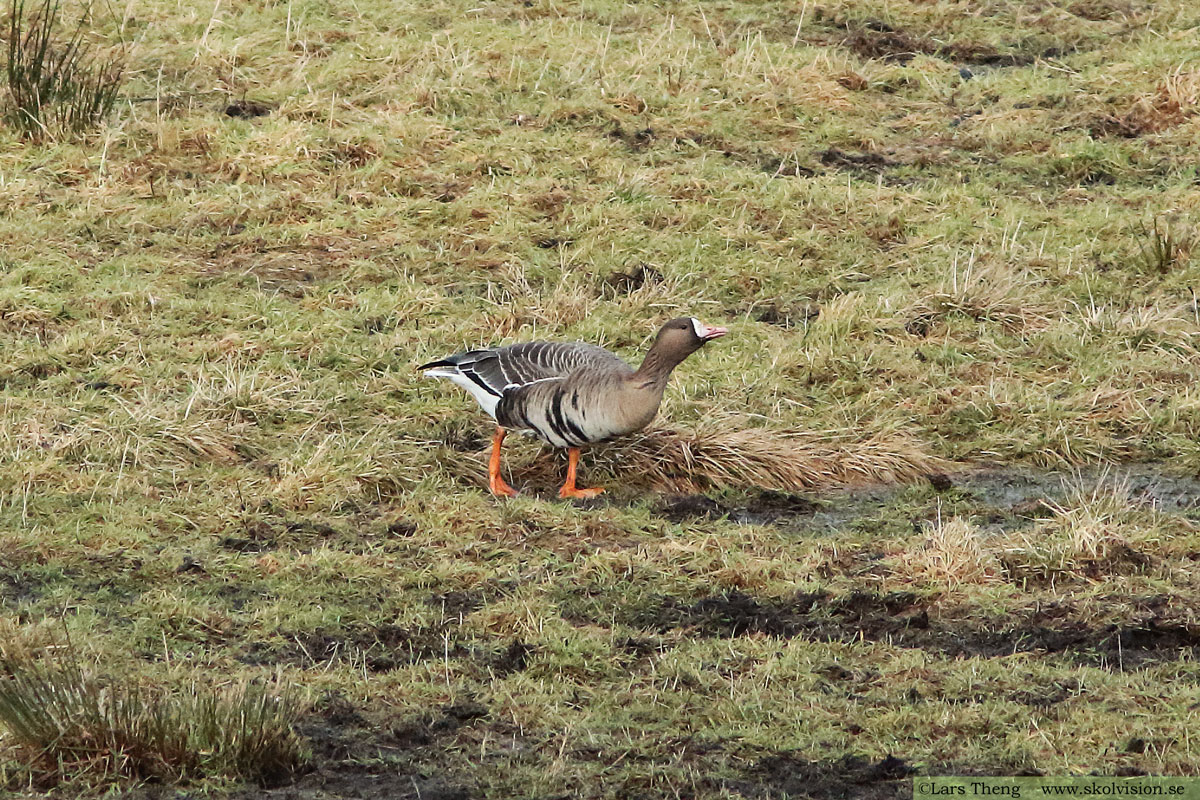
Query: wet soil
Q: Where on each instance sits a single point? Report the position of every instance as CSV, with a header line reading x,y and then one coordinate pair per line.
x,y
1003,499
784,775
763,507
354,756
901,619
247,109
855,162
623,283
877,39
16,588
381,648
785,315
377,648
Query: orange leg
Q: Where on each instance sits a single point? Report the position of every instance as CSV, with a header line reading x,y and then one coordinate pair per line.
x,y
569,489
495,481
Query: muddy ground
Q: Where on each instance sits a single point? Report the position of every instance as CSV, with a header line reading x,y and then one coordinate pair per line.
x,y
359,754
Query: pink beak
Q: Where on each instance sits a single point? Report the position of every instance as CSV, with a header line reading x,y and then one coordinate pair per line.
x,y
708,332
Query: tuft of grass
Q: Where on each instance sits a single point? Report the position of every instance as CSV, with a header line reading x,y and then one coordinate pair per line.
x,y
725,453
1097,532
66,722
1162,249
953,553
984,292
1090,526
56,86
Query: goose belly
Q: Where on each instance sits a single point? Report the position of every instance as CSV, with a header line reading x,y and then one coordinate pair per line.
x,y
556,414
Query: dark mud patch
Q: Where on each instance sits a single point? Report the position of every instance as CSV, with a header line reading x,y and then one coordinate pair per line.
x,y
364,781
763,507
402,528
513,658
623,283
376,649
17,589
248,109
940,481
1143,117
683,508
855,162
334,728
253,536
364,757
1103,10
339,730
636,140
876,39
260,535
901,619
785,315
785,775
464,441
457,604
784,167
237,594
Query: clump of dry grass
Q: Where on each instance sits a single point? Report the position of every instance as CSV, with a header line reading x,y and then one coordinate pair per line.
x,y
726,453
1172,102
1158,326
65,722
1098,531
1088,525
953,553
985,292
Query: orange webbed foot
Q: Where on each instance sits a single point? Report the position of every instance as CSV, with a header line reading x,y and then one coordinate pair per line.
x,y
572,491
502,489
569,489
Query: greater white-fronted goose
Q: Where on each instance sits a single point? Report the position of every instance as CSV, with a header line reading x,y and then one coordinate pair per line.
x,y
569,393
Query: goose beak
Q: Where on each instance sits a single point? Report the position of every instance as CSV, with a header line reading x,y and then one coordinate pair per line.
x,y
709,332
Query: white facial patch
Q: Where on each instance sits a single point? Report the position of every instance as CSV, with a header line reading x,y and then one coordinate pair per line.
x,y
699,327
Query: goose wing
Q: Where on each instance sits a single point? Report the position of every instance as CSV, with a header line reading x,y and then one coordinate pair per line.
x,y
526,363
487,374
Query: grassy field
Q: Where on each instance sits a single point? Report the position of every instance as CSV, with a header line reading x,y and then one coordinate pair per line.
x,y
934,514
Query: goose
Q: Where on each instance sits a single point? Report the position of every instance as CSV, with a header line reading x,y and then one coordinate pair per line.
x,y
569,394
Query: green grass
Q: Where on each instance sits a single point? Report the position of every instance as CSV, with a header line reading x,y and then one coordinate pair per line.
x,y
216,459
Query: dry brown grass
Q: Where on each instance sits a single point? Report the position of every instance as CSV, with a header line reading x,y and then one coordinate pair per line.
x,y
1098,532
985,291
727,453
65,722
1173,102
954,552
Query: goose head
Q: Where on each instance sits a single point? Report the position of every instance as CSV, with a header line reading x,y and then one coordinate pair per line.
x,y
683,336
